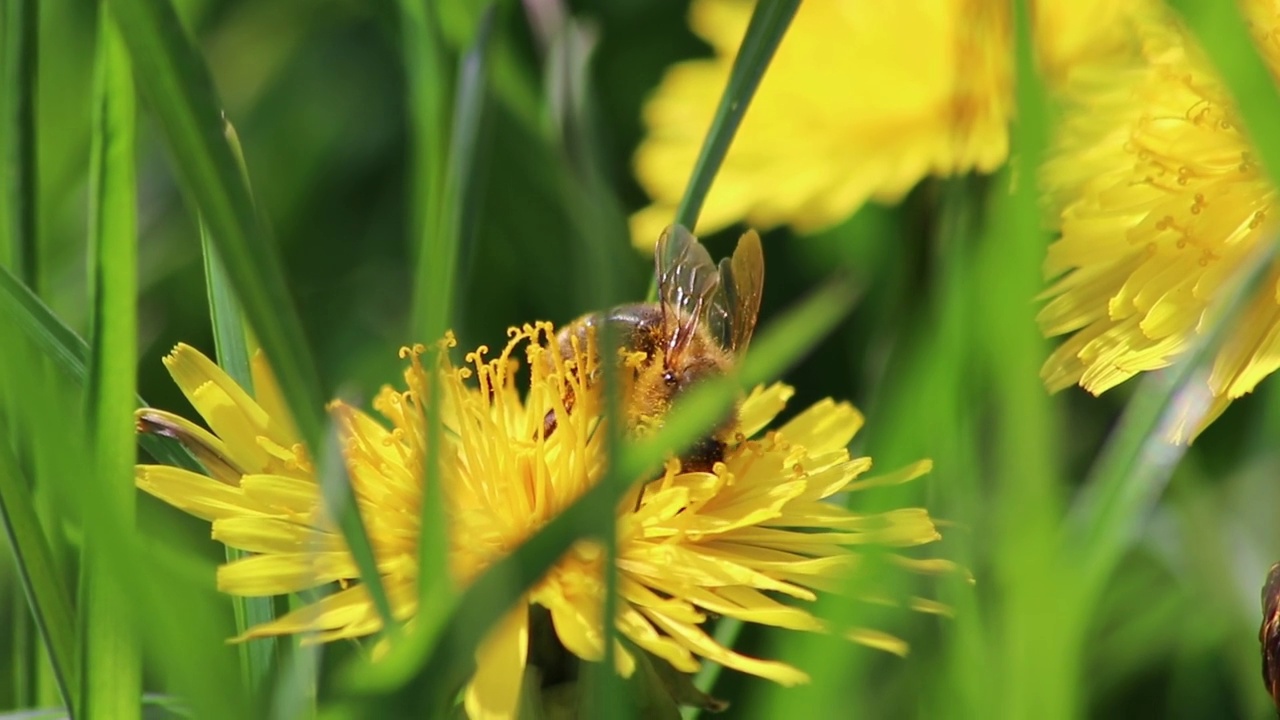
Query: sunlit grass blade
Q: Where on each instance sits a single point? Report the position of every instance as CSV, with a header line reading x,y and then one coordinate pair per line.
x,y
768,24
492,593
177,82
49,602
1023,438
19,38
431,227
111,665
444,176
230,339
1225,37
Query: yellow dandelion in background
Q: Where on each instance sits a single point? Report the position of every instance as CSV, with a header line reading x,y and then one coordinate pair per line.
x,y
1161,203
692,545
861,101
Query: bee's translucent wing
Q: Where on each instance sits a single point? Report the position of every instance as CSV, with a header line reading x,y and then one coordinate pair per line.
x,y
687,286
737,305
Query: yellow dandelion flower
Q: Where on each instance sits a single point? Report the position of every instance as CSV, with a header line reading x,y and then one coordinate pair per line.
x,y
861,101
692,544
1161,203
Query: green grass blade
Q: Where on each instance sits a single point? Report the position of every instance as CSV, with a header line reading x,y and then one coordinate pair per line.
x,y
49,601
177,81
230,340
768,24
111,664
19,37
1023,435
444,174
22,651
493,592
601,229
69,353
56,340
174,606
432,227
427,70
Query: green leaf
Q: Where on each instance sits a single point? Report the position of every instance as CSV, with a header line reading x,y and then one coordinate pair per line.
x,y
178,84
19,39
230,339
111,662
47,597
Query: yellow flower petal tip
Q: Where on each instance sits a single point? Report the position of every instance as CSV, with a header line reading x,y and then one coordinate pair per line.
x,y
763,525
1161,203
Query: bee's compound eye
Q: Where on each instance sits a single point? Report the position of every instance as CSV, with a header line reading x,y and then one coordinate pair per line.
x,y
669,377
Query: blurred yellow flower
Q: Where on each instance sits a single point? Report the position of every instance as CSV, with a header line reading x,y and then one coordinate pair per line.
x,y
862,100
691,545
1161,201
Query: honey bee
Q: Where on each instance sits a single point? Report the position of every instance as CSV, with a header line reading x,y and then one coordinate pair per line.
x,y
701,324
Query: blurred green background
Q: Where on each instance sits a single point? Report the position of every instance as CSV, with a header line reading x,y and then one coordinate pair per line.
x,y
317,92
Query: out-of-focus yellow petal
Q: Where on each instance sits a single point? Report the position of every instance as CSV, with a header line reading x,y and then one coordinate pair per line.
x,y
879,640
280,574
704,645
274,535
266,390
339,610
1159,203
823,135
861,101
